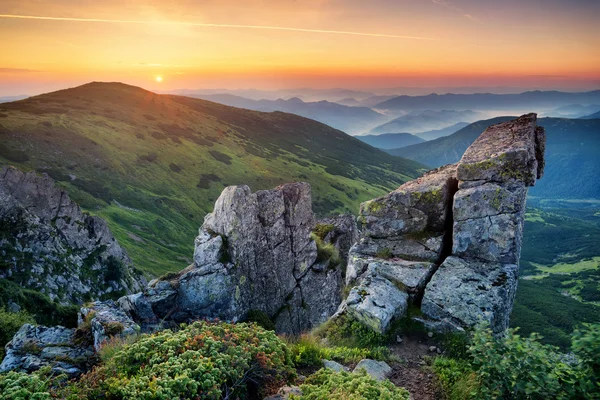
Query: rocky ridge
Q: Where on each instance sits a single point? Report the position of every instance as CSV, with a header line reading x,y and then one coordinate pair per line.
x,y
448,243
48,244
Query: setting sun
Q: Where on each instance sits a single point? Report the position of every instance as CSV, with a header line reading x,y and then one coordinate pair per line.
x,y
158,79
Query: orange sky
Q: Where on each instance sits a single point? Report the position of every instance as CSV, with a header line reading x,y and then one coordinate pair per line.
x,y
525,43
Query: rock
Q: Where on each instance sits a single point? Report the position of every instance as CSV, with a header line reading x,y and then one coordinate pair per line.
x,y
55,248
376,302
438,350
107,320
399,339
378,370
33,347
504,153
254,252
337,367
430,334
463,293
13,307
451,240
432,349
285,393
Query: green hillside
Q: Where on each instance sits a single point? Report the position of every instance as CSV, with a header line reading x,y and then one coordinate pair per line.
x,y
572,161
153,165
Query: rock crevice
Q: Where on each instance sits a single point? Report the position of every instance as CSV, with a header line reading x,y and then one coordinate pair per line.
x,y
471,216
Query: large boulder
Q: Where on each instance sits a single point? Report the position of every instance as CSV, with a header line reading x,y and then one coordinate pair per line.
x,y
106,320
48,244
449,242
33,347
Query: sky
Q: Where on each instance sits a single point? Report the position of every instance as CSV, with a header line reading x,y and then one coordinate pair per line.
x,y
274,44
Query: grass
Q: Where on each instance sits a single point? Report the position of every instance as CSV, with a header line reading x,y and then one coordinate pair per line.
x,y
567,268
155,189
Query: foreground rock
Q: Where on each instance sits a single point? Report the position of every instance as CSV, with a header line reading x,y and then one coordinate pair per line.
x,y
378,370
254,252
48,244
35,346
449,242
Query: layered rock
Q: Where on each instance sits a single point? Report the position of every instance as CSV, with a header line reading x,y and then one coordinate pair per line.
x,y
254,252
35,346
450,241
48,244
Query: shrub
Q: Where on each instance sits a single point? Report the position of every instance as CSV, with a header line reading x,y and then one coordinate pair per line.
x,y
321,230
21,386
512,367
457,378
204,360
326,252
10,324
346,331
384,253
309,350
326,384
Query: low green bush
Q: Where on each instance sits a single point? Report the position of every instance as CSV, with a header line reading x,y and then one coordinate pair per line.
x,y
10,324
327,384
513,367
203,360
309,350
262,319
457,378
21,386
346,331
326,251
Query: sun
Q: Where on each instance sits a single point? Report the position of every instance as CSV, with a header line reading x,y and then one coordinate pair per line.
x,y
158,79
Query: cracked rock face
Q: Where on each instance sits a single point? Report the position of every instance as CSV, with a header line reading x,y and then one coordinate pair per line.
x,y
450,241
33,347
48,244
254,252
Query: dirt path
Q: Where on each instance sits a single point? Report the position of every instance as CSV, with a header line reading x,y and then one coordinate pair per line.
x,y
412,373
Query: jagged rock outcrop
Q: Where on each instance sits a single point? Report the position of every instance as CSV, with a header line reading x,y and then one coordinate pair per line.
x,y
106,320
450,241
254,252
48,244
35,346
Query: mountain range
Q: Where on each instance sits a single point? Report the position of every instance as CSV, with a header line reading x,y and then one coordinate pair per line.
x,y
152,165
351,120
420,121
390,140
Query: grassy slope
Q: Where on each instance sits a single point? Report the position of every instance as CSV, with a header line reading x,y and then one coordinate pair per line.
x,y
165,160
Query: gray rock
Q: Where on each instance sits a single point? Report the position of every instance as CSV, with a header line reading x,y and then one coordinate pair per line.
x,y
376,303
54,247
378,370
34,347
465,293
285,393
107,320
335,366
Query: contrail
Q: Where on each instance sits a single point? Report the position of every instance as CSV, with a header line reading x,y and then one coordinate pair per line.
x,y
277,28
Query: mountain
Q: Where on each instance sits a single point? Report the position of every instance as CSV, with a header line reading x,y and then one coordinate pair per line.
x,y
592,116
306,94
572,148
572,111
390,140
438,133
536,100
152,165
423,121
348,119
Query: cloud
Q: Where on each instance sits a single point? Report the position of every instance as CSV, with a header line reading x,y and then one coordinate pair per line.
x,y
205,25
16,70
451,6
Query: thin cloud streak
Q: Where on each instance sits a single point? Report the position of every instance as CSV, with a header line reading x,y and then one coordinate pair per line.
x,y
206,25
450,6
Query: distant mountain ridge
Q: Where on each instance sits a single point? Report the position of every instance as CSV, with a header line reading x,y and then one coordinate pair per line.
x,y
349,119
390,140
419,121
486,101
